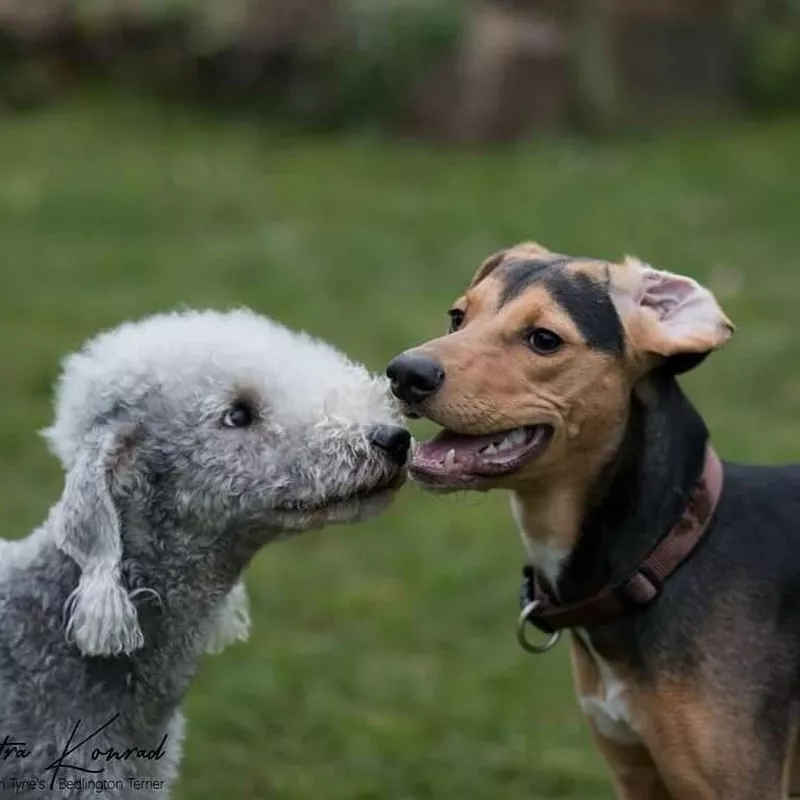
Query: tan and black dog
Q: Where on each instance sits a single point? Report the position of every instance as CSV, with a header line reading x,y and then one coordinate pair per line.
x,y
679,576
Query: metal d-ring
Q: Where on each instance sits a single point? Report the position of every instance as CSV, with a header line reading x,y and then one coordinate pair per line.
x,y
524,621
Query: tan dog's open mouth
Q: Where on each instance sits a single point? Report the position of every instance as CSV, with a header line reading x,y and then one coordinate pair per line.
x,y
457,460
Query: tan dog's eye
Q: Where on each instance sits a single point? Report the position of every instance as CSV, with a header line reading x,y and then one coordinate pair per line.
x,y
456,318
543,341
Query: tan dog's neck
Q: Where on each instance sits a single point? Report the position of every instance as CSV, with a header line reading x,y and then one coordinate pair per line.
x,y
550,513
548,528
589,527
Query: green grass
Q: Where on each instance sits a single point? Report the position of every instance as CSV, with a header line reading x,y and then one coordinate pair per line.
x,y
382,664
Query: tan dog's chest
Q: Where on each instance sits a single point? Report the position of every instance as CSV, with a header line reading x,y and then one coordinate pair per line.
x,y
602,693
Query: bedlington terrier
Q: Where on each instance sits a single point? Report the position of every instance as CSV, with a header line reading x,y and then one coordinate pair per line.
x,y
189,441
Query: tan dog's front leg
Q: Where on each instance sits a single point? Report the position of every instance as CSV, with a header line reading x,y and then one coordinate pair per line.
x,y
706,743
690,739
634,771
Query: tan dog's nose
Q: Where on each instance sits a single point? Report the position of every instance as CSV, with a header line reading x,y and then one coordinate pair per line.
x,y
414,378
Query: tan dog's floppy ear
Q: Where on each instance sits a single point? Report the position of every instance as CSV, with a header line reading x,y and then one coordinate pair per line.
x,y
101,619
524,250
670,315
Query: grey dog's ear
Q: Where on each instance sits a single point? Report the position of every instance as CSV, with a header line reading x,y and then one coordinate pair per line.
x,y
101,619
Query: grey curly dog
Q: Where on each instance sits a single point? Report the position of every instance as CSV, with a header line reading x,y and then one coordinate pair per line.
x,y
189,441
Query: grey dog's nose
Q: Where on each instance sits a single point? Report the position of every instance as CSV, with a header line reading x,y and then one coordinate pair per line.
x,y
393,440
414,377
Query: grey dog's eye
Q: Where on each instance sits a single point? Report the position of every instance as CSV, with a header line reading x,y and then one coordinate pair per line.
x,y
237,416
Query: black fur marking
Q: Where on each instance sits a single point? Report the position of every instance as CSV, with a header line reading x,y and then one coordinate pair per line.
x,y
585,300
519,275
591,309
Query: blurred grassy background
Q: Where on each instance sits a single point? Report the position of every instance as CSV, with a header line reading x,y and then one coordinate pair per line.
x,y
383,662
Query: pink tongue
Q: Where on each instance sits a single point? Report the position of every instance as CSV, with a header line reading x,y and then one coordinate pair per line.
x,y
437,448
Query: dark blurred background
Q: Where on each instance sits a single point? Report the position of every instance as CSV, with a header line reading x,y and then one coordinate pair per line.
x,y
344,166
446,69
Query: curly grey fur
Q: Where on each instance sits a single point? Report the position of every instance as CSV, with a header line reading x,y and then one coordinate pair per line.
x,y
107,608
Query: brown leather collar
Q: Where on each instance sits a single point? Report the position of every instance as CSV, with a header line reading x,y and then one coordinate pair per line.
x,y
549,615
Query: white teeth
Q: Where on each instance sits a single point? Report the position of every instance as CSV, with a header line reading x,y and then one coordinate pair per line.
x,y
517,437
506,444
450,459
513,439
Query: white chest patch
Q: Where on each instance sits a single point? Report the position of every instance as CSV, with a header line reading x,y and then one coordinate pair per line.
x,y
547,558
610,710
